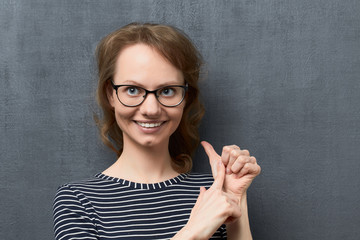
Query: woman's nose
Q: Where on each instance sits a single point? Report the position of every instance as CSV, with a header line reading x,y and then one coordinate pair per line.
x,y
151,106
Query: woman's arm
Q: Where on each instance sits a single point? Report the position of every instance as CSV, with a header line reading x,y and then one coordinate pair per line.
x,y
71,218
240,229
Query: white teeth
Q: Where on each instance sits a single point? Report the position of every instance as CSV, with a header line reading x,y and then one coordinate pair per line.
x,y
149,125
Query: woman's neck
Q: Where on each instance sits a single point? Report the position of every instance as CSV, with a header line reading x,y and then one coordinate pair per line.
x,y
143,164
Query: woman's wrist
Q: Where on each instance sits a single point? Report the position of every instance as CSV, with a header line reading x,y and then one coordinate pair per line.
x,y
244,210
243,201
240,229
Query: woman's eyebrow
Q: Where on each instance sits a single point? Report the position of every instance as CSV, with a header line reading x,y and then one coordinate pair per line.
x,y
132,82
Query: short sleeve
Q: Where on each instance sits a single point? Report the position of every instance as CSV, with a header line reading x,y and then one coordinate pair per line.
x,y
72,216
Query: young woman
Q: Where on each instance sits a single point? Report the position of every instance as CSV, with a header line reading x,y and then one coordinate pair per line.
x,y
148,91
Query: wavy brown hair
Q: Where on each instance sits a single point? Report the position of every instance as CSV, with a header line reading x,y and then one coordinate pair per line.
x,y
178,49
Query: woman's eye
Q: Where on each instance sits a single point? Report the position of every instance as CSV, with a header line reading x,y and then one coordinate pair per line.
x,y
168,92
132,91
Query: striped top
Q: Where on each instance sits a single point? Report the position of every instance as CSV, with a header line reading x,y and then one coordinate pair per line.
x,y
105,207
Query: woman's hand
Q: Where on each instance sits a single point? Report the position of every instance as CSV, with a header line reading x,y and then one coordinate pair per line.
x,y
233,172
241,168
212,208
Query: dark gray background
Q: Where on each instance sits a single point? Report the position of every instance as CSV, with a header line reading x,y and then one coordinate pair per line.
x,y
282,80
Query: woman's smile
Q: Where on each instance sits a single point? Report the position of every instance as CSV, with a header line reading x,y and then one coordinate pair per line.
x,y
150,127
149,124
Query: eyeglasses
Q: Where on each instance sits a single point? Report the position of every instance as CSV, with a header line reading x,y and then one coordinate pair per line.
x,y
132,95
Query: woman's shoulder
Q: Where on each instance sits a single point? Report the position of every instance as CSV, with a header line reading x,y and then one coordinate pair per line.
x,y
88,185
76,183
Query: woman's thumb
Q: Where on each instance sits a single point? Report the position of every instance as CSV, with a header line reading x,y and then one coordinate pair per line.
x,y
212,155
220,175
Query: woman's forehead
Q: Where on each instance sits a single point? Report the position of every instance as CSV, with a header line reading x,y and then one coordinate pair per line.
x,y
141,64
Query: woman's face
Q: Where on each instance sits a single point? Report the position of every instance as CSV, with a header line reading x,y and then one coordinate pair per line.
x,y
150,124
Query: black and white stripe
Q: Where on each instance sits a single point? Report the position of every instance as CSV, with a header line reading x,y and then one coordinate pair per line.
x,y
111,208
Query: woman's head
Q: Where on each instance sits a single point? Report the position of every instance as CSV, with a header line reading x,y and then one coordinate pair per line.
x,y
178,50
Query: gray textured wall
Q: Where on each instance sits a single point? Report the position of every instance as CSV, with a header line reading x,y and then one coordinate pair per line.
x,y
282,81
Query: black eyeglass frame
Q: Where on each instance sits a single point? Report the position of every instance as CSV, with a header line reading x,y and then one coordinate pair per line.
x,y
186,87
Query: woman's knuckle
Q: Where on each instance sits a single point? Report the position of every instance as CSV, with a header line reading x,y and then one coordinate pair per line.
x,y
226,148
234,153
246,152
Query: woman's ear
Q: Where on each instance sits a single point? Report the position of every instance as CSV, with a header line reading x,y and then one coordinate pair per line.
x,y
110,94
